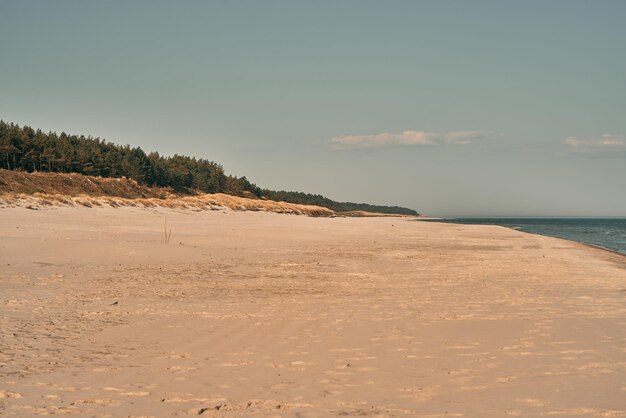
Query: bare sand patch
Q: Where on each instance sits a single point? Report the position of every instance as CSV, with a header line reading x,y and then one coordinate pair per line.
x,y
261,314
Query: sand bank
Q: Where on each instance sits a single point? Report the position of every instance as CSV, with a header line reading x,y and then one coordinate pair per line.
x,y
262,314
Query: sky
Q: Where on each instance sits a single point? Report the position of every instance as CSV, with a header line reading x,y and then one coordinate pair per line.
x,y
452,108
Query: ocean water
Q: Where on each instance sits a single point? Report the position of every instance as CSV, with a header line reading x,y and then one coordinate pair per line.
x,y
609,233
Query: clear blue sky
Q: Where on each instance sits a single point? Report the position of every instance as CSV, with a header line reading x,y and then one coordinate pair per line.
x,y
453,108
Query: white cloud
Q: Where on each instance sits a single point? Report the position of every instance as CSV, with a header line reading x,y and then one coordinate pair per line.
x,y
605,142
406,138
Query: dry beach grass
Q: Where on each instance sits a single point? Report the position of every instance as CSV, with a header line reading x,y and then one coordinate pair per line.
x,y
264,314
201,202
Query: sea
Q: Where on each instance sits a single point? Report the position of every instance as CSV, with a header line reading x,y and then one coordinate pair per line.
x,y
608,233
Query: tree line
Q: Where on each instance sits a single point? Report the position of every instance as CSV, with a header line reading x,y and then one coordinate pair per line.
x,y
26,149
319,200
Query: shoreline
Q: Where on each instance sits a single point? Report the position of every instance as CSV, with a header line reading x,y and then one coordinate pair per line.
x,y
588,244
262,314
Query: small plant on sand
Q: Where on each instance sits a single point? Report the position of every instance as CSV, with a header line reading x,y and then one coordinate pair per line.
x,y
166,234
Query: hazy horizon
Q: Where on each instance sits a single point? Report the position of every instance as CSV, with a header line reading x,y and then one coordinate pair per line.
x,y
455,109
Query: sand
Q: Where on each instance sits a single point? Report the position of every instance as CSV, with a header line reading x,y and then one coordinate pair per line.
x,y
263,314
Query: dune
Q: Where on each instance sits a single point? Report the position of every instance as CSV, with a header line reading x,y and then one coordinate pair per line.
x,y
200,202
43,189
254,313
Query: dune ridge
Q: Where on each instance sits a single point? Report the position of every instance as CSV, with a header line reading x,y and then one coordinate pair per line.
x,y
216,201
45,190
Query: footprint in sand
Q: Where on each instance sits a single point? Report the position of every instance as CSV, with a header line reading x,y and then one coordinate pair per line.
x,y
532,402
138,393
237,363
11,395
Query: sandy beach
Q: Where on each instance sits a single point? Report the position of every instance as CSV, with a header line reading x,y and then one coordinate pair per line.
x,y
264,314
